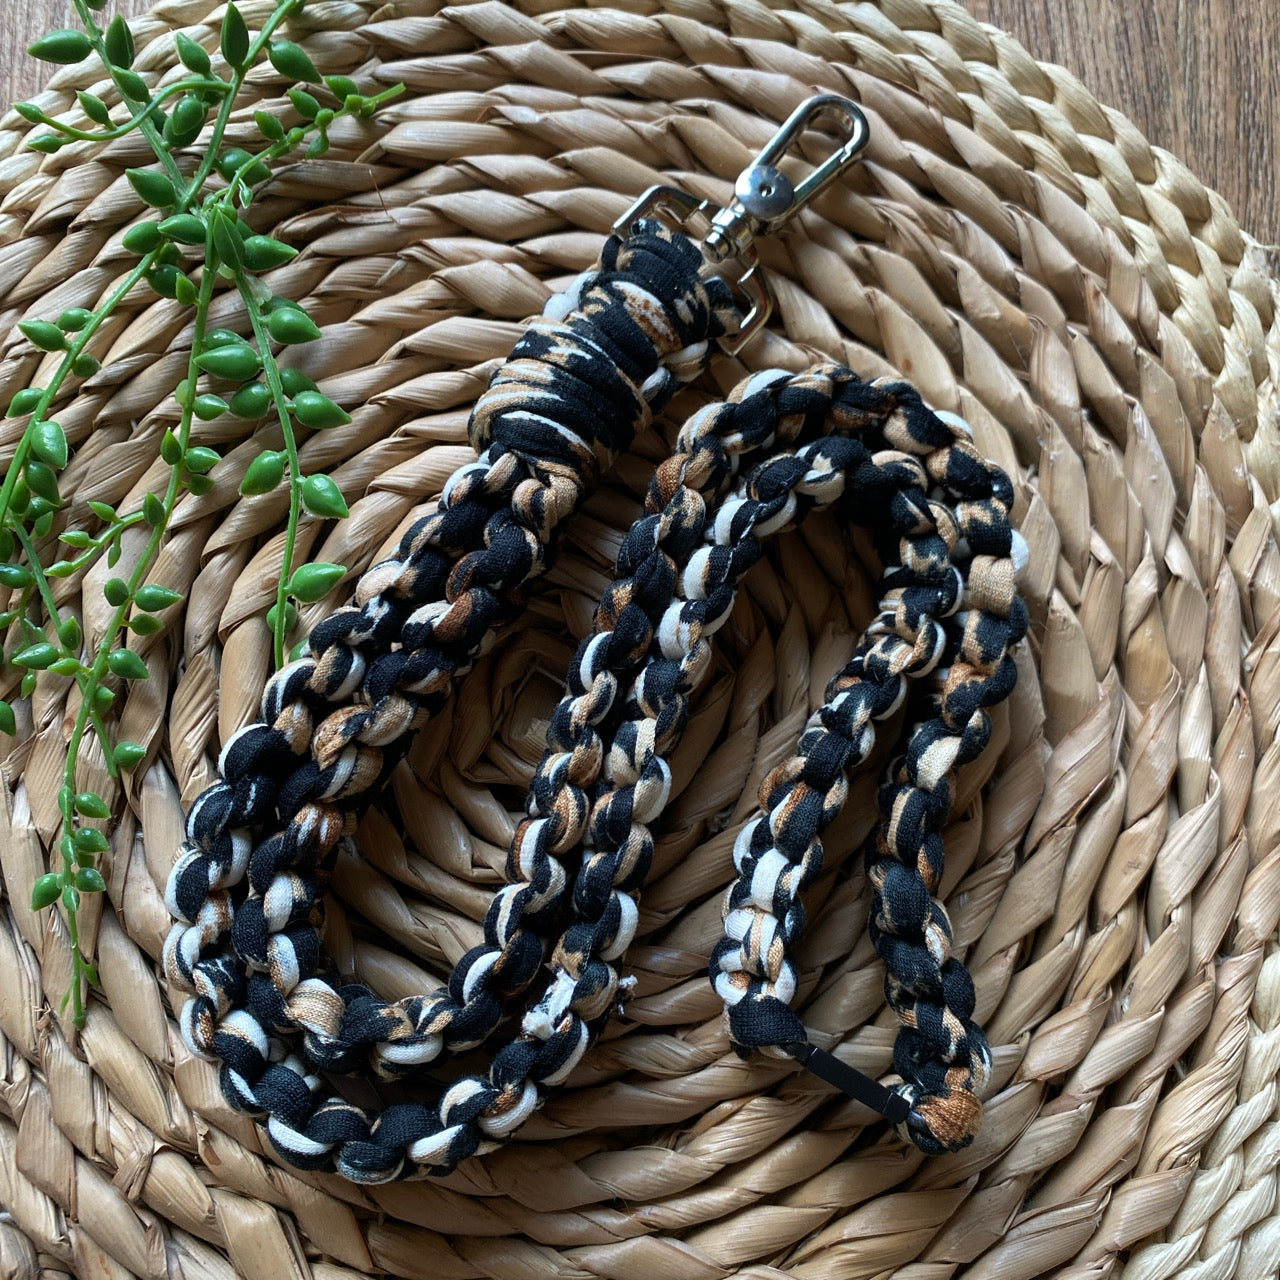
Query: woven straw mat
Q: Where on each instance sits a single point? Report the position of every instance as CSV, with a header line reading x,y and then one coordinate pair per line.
x,y
1028,260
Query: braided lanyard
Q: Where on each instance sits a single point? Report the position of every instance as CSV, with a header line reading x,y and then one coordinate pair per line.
x,y
247,890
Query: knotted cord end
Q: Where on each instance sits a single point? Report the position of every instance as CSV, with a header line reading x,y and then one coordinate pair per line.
x,y
851,1082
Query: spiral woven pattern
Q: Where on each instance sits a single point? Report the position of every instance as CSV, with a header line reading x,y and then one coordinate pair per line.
x,y
1112,880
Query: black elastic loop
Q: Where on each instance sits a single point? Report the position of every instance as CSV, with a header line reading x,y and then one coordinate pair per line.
x,y
851,1082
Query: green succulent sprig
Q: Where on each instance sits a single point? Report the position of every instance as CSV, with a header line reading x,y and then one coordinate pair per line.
x,y
197,243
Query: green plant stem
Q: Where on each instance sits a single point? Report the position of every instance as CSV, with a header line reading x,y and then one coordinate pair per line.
x,y
228,102
149,131
41,580
118,131
272,371
96,674
77,345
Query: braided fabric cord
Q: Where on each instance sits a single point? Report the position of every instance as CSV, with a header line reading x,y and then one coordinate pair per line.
x,y
941,1054
653,605
578,385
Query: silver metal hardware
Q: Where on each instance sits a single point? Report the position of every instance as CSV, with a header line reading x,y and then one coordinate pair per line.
x,y
764,200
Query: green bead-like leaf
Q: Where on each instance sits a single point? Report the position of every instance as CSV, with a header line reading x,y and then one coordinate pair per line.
x,y
66,666
92,839
73,319
144,624
235,36
142,238
294,381
226,239
251,401
318,147
303,103
170,449
43,481
70,898
132,85
94,107
231,160
47,143
238,363
76,538
184,291
198,460
36,657
183,127
128,754
164,280
46,890
28,685
116,591
43,524
208,406
89,880
8,724
49,443
322,497
290,616
88,804
193,56
185,228
199,484
153,510
31,113
64,46
154,188
264,474
221,338
24,402
103,510
292,325
268,126
342,87
313,409
153,597
69,633
311,582
42,334
118,42
292,61
126,664
261,253
85,365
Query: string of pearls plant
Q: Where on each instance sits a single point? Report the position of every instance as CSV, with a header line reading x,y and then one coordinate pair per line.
x,y
196,244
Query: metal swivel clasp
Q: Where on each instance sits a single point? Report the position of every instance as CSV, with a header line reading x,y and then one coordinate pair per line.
x,y
764,199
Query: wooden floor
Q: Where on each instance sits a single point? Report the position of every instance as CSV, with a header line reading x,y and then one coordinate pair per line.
x,y
1197,78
